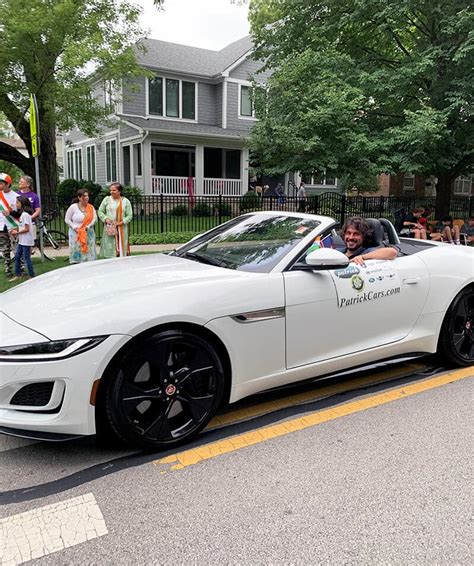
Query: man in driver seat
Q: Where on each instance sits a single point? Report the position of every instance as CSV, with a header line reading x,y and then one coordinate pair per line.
x,y
356,234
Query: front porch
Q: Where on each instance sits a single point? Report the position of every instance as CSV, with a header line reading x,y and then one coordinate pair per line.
x,y
207,171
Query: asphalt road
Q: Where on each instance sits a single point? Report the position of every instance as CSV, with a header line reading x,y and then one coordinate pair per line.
x,y
384,477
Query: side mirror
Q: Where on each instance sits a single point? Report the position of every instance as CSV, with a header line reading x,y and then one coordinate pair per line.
x,y
324,258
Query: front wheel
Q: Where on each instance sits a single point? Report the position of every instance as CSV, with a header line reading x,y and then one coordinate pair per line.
x,y
456,341
165,390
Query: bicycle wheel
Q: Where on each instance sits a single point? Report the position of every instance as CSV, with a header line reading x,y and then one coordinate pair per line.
x,y
56,239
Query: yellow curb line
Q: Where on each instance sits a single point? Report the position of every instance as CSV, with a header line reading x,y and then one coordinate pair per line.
x,y
195,455
247,413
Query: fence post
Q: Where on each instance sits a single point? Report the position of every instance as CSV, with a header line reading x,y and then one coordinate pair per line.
x,y
162,216
381,206
343,209
316,204
220,208
471,207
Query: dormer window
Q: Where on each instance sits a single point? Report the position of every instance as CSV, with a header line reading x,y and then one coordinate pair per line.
x,y
172,98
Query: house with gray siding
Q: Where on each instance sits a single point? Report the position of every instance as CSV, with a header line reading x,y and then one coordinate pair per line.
x,y
188,120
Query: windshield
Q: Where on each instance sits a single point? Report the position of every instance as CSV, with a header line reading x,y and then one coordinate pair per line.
x,y
249,243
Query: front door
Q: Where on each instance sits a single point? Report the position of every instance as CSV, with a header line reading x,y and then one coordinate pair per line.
x,y
338,312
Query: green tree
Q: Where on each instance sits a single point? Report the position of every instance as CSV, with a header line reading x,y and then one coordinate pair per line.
x,y
50,48
367,86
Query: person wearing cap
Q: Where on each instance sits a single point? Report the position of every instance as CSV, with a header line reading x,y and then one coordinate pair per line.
x,y
7,222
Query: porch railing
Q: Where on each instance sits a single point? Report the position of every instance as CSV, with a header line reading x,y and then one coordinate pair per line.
x,y
224,187
169,185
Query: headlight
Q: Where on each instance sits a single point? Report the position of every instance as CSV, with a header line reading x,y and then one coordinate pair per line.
x,y
52,350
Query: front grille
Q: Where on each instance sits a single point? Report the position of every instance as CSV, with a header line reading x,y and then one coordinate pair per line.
x,y
33,395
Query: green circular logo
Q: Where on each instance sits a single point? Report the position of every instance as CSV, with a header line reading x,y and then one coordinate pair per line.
x,y
357,282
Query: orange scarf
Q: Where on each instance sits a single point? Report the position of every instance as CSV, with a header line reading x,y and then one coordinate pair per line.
x,y
82,230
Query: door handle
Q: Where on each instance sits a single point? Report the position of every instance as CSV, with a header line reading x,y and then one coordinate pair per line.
x,y
412,280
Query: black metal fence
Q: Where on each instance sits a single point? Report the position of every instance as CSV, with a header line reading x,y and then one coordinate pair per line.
x,y
160,213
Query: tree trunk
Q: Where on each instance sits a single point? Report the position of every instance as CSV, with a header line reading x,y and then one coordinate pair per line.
x,y
443,193
48,163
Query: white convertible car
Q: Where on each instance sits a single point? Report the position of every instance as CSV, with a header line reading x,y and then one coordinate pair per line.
x,y
149,347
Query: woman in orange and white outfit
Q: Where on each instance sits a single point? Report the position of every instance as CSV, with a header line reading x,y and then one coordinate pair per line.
x,y
116,213
81,217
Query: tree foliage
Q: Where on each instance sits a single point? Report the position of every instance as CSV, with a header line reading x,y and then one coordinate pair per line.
x,y
366,86
50,48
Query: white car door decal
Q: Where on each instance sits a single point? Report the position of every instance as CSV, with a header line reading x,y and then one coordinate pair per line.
x,y
357,284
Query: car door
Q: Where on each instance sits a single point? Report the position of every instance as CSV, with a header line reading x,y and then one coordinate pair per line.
x,y
339,311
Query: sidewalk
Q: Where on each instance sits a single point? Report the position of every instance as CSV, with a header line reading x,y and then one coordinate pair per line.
x,y
146,248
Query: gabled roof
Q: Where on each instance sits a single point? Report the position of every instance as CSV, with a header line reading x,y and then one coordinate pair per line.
x,y
193,60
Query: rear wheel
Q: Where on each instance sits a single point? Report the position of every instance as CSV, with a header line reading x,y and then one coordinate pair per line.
x,y
165,390
56,239
456,341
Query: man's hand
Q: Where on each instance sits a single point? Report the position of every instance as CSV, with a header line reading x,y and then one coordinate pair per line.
x,y
358,260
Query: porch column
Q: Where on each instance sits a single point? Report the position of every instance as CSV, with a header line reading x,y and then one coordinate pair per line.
x,y
244,170
146,166
199,166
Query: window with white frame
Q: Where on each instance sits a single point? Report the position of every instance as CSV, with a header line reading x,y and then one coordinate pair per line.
x,y
109,99
463,185
90,162
246,103
325,179
408,182
110,161
137,159
78,164
70,164
74,164
172,98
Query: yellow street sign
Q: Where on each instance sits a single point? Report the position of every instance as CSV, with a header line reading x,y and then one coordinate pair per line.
x,y
34,126
34,146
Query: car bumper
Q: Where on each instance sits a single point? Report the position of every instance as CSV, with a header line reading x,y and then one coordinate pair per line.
x,y
54,397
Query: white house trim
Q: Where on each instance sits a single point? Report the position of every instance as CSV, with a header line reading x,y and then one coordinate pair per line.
x,y
224,104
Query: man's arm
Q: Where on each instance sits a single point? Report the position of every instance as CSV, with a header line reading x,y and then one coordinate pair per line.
x,y
379,253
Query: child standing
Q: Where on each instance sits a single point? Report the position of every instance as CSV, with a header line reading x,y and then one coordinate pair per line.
x,y
25,236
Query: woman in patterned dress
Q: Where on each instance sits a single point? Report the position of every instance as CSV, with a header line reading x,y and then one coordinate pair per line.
x,y
116,213
81,217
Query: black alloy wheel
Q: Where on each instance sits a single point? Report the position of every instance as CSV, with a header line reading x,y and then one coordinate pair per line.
x,y
457,333
166,389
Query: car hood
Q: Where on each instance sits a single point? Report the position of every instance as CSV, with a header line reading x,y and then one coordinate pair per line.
x,y
118,295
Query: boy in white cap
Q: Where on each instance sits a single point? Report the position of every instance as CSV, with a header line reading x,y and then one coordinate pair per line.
x,y
7,222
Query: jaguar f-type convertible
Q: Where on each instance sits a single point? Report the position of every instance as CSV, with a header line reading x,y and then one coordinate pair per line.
x,y
149,347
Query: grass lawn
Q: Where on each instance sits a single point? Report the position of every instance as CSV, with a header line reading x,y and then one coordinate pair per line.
x,y
40,268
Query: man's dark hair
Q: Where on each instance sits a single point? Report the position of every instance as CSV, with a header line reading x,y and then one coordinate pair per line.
x,y
361,225
447,219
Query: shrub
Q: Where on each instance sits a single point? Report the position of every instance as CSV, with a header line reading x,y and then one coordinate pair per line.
x,y
162,238
134,194
202,209
250,201
224,209
68,188
179,210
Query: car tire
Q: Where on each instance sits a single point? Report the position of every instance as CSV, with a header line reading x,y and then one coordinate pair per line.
x,y
456,340
164,390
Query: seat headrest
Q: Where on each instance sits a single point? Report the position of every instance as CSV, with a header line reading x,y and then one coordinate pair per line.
x,y
377,231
